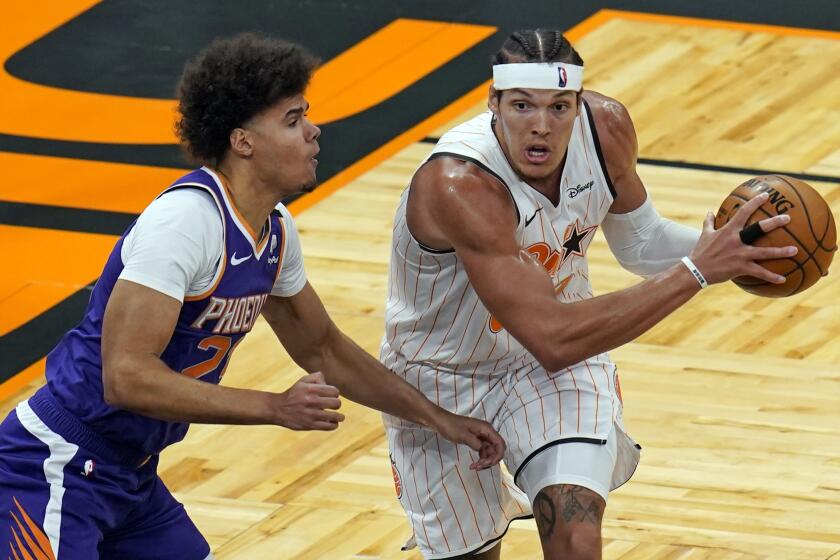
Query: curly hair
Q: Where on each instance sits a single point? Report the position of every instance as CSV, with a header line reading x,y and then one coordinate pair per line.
x,y
537,45
232,80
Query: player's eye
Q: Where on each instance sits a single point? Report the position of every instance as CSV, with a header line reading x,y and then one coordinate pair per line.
x,y
520,105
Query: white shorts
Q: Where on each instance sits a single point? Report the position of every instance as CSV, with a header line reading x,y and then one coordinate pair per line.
x,y
455,511
582,464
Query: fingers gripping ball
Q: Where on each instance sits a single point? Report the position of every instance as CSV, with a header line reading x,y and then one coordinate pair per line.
x,y
811,230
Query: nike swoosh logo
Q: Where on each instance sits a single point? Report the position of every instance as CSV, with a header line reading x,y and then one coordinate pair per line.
x,y
234,261
531,219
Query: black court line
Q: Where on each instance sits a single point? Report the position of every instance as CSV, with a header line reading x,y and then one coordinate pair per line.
x,y
739,170
154,155
709,167
28,343
65,219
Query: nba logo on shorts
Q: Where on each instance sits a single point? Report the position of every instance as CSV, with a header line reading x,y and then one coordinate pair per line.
x,y
397,479
89,465
562,75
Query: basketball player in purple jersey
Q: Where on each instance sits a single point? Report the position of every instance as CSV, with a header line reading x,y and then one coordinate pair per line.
x,y
491,311
180,290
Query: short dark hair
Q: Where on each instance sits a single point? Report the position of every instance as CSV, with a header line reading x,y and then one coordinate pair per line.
x,y
537,45
231,81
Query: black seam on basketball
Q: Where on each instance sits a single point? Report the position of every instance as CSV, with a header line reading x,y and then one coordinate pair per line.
x,y
801,281
810,254
828,223
798,266
819,241
810,225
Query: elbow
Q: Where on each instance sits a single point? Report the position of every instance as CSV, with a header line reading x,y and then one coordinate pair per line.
x,y
552,346
556,357
553,364
109,390
113,385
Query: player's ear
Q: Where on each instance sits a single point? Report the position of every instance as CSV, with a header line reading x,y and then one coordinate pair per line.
x,y
493,101
241,142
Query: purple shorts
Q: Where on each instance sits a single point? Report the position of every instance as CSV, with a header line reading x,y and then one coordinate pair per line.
x,y
66,493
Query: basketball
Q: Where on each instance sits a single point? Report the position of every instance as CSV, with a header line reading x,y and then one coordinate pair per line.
x,y
811,229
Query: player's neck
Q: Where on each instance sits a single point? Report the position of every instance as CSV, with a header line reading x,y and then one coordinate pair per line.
x,y
252,199
549,186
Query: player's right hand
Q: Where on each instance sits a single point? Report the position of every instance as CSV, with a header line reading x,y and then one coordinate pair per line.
x,y
309,405
480,436
720,255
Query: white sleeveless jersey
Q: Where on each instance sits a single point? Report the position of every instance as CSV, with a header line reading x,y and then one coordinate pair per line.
x,y
440,338
433,314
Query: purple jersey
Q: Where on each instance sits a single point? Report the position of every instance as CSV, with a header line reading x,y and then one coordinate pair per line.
x,y
209,327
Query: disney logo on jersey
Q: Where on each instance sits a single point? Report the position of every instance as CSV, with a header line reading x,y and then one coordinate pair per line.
x,y
572,192
232,315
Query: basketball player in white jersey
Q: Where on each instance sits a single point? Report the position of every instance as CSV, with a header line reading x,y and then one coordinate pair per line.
x,y
491,313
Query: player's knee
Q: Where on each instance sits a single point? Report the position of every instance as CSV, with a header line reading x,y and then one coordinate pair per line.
x,y
569,520
579,542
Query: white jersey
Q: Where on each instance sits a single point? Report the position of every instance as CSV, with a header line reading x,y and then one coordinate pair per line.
x,y
442,339
433,314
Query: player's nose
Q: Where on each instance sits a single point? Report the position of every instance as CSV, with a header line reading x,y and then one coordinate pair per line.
x,y
540,124
314,131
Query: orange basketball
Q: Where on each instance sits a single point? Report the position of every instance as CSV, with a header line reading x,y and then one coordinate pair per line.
x,y
811,229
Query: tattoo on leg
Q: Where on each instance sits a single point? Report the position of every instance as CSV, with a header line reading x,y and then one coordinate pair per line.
x,y
575,500
574,504
546,515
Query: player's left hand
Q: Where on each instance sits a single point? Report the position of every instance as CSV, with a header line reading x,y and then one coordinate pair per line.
x,y
477,434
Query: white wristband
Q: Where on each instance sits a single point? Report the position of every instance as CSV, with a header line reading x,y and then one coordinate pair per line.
x,y
695,272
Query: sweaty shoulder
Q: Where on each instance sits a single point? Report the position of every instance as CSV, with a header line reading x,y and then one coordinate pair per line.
x,y
616,133
449,197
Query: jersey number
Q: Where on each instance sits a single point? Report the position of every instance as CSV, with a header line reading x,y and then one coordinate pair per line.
x,y
221,344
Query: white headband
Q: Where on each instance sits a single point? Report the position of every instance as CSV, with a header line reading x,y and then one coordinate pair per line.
x,y
538,75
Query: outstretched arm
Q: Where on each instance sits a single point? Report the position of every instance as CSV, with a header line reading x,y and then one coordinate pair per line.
x,y
316,344
473,213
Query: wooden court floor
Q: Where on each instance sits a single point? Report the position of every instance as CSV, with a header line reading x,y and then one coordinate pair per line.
x,y
735,399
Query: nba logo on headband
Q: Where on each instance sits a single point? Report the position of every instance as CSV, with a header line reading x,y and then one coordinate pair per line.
x,y
563,77
538,75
